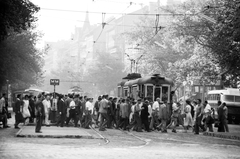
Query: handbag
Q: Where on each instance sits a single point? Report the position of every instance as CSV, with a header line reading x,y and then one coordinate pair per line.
x,y
19,117
9,115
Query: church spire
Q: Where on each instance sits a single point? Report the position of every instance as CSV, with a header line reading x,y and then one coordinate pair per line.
x,y
86,24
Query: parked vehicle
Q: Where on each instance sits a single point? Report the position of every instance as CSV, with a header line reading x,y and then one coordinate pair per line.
x,y
231,97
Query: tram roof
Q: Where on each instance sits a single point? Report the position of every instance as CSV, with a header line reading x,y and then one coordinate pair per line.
x,y
131,82
156,80
121,83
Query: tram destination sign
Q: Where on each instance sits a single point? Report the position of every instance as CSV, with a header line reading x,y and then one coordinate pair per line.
x,y
54,82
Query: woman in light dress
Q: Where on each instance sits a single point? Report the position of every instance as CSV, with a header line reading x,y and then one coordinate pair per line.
x,y
26,113
188,121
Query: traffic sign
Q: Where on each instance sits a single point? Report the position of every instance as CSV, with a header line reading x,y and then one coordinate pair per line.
x,y
54,82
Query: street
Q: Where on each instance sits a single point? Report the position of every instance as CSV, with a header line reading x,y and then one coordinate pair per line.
x,y
118,144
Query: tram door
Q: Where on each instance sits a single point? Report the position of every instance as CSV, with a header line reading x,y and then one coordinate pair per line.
x,y
157,93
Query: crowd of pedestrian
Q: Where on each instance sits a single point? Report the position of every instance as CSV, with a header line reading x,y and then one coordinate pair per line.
x,y
119,113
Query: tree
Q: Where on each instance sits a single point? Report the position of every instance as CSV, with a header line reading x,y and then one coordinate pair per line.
x,y
16,16
219,39
20,61
159,44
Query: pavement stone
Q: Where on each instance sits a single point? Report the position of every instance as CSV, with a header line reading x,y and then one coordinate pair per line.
x,y
54,132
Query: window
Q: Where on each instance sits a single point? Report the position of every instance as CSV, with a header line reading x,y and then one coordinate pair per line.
x,y
229,98
134,92
149,91
196,89
119,91
165,92
215,97
201,89
237,98
125,92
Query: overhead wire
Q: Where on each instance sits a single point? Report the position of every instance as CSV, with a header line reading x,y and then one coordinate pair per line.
x,y
146,14
83,21
111,1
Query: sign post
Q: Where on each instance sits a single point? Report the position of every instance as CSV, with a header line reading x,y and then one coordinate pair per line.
x,y
54,82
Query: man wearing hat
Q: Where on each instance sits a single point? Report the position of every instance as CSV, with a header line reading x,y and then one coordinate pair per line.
x,y
144,115
61,110
39,114
137,112
103,113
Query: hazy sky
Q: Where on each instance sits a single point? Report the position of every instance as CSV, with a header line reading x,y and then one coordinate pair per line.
x,y
57,25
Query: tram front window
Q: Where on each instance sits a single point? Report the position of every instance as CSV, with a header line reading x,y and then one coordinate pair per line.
x,y
149,91
157,93
165,93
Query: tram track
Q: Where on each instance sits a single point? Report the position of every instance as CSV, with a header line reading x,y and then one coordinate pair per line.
x,y
187,142
106,140
146,141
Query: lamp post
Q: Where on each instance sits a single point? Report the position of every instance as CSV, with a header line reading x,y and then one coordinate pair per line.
x,y
7,87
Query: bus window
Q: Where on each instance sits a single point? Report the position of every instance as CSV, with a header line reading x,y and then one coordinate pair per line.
x,y
165,93
237,98
228,98
213,97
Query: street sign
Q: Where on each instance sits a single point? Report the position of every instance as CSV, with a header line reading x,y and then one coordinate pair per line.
x,y
54,82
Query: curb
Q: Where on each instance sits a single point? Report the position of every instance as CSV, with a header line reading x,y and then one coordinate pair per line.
x,y
54,136
18,134
225,136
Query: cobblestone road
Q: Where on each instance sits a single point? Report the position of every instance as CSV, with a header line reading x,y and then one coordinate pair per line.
x,y
121,145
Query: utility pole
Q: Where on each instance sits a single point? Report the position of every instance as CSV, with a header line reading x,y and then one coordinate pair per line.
x,y
158,6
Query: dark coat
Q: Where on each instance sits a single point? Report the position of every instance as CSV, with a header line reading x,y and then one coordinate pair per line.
x,y
39,109
18,106
61,107
144,111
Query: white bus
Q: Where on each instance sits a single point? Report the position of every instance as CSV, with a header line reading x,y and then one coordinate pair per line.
x,y
231,96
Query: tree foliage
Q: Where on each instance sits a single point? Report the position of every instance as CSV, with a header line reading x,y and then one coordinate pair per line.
x,y
202,40
16,16
20,61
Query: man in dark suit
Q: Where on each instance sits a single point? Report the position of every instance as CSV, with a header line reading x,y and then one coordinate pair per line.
x,y
61,110
32,110
39,114
144,115
17,111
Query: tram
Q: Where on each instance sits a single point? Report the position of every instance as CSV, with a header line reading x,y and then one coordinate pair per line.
x,y
150,87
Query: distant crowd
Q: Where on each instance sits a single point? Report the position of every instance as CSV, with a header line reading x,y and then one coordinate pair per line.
x,y
119,113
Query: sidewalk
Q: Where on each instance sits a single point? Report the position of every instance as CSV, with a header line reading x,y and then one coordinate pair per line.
x,y
53,131
234,133
56,132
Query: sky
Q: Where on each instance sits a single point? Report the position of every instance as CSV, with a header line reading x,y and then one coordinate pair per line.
x,y
58,25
